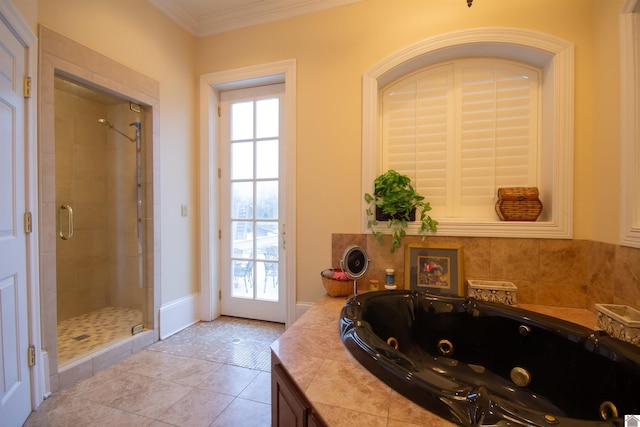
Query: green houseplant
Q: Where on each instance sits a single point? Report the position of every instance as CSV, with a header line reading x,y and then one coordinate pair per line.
x,y
394,200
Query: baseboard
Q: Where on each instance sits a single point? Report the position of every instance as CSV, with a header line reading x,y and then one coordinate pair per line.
x,y
44,358
301,308
182,313
178,314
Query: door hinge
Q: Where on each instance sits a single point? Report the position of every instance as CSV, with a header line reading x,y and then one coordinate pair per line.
x,y
26,87
219,111
284,237
219,234
219,295
28,222
219,172
31,355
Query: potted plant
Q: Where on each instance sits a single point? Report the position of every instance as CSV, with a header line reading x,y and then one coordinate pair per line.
x,y
394,200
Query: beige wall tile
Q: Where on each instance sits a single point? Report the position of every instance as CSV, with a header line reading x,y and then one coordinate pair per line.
x,y
563,294
564,261
569,273
515,259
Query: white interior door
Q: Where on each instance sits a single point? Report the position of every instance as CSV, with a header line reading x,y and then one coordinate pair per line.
x,y
252,205
15,381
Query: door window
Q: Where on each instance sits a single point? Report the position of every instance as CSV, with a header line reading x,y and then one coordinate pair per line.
x,y
251,205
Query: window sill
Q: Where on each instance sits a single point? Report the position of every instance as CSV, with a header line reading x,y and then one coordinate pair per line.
x,y
487,228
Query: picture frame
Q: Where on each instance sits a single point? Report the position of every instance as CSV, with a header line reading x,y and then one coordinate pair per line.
x,y
435,269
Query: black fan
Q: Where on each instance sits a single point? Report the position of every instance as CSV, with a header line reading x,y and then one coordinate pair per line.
x,y
354,263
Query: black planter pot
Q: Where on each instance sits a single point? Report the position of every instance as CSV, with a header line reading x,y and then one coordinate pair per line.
x,y
381,216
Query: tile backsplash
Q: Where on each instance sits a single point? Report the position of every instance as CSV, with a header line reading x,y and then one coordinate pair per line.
x,y
567,273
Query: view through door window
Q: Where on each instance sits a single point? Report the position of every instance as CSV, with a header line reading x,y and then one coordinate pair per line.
x,y
254,182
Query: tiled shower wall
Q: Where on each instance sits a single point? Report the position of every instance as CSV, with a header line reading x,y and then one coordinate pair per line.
x,y
96,175
567,273
126,283
82,274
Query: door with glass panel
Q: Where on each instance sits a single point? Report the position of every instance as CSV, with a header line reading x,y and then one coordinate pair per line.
x,y
252,205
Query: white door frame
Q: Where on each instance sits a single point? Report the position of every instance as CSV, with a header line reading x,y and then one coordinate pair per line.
x,y
39,380
210,87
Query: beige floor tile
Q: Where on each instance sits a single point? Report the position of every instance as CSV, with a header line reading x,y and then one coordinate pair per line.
x,y
244,413
168,367
259,390
95,381
197,409
157,423
231,380
230,340
151,399
190,379
110,386
66,411
119,418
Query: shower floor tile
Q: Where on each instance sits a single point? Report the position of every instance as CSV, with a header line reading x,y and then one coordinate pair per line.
x,y
92,331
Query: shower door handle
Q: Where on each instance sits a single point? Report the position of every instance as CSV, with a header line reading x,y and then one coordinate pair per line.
x,y
70,222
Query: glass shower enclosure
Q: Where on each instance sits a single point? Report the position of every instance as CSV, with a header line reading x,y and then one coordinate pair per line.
x,y
100,283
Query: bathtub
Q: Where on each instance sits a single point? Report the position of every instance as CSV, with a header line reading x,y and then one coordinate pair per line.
x,y
480,363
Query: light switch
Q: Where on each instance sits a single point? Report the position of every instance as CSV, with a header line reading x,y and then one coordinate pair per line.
x,y
184,210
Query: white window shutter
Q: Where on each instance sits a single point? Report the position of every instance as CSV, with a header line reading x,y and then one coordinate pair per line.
x,y
417,131
461,130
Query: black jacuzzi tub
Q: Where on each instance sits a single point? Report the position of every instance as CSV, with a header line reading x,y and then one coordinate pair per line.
x,y
479,363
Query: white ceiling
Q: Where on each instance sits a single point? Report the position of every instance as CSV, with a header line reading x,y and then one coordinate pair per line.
x,y
205,17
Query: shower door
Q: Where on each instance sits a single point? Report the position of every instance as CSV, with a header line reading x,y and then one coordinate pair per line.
x,y
99,246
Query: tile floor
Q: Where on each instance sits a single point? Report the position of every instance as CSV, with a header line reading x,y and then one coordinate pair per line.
x,y
92,331
211,374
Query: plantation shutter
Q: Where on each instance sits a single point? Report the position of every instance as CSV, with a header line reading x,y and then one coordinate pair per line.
x,y
461,130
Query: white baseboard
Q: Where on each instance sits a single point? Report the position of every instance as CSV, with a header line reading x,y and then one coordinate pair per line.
x,y
178,314
44,359
301,308
182,313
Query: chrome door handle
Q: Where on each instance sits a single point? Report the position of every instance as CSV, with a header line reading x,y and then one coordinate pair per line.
x,y
70,222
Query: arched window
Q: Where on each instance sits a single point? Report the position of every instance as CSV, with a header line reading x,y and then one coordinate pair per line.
x,y
468,112
463,128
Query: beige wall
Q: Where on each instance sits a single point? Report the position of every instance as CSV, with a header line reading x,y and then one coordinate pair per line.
x,y
334,48
28,10
601,194
139,36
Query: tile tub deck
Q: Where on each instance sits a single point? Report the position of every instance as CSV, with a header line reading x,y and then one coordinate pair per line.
x,y
342,391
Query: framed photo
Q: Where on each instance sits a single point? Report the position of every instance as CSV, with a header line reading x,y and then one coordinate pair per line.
x,y
436,269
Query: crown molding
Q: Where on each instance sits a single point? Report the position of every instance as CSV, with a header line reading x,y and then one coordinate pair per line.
x,y
241,16
178,14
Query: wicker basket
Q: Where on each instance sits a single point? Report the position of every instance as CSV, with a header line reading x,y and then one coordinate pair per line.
x,y
336,288
518,204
